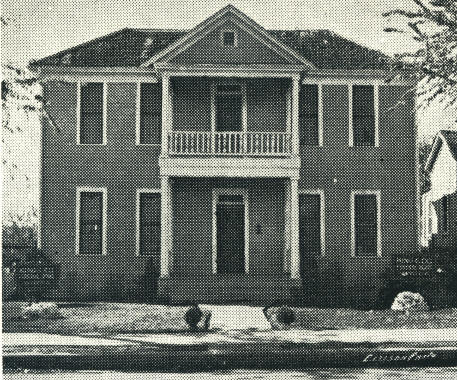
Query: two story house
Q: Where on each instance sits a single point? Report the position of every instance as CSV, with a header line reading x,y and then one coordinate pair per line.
x,y
235,163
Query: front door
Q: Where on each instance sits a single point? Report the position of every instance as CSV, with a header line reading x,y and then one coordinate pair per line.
x,y
230,233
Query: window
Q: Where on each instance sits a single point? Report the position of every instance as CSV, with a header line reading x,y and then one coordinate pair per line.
x,y
148,222
91,128
309,118
445,203
364,128
91,221
229,107
150,114
311,223
229,38
366,226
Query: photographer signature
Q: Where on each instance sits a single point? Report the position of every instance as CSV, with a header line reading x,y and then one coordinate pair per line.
x,y
394,357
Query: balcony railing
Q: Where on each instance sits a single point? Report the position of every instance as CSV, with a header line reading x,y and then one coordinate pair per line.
x,y
229,143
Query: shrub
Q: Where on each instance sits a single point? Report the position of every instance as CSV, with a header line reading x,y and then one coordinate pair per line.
x,y
409,301
41,310
279,317
197,318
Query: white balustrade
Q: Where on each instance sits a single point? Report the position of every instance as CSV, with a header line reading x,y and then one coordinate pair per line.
x,y
229,143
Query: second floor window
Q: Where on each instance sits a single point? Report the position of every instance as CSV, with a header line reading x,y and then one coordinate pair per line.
x,y
150,113
363,116
309,114
91,113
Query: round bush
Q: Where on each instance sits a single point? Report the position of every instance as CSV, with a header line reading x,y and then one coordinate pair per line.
x,y
193,316
285,315
41,310
409,301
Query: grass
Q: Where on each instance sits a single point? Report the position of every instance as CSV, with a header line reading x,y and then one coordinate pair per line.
x,y
329,319
111,318
104,318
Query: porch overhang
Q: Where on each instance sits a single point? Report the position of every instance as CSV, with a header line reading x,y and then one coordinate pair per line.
x,y
237,167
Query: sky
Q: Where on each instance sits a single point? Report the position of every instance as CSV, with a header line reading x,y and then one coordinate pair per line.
x,y
37,28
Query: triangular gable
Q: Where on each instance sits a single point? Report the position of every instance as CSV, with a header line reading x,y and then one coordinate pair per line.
x,y
269,47
447,137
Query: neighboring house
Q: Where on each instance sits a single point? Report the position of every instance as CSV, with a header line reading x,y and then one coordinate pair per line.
x,y
439,205
238,163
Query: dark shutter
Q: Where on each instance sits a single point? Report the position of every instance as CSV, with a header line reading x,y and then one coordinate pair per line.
x,y
150,224
91,115
366,224
363,115
309,114
150,113
90,223
310,225
445,213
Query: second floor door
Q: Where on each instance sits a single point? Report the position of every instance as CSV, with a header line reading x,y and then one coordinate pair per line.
x,y
228,104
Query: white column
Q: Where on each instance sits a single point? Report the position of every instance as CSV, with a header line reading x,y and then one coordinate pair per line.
x,y
165,233
294,233
166,112
294,117
287,227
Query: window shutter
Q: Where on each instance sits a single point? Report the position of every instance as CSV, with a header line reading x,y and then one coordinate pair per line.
x,y
91,113
363,115
150,224
366,224
150,113
309,114
90,223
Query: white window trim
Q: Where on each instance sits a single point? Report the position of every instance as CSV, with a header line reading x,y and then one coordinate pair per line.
x,y
137,231
78,112
138,115
230,191
321,194
102,190
376,114
235,38
214,85
379,237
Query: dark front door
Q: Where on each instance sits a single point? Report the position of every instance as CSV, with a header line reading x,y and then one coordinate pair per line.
x,y
230,238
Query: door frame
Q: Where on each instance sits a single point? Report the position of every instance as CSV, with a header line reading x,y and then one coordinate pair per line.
x,y
230,191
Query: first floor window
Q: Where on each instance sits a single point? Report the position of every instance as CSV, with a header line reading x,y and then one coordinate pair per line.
x,y
149,224
309,114
310,225
91,224
150,113
366,223
363,116
91,113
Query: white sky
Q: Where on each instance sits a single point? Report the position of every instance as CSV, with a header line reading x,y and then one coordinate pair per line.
x,y
38,28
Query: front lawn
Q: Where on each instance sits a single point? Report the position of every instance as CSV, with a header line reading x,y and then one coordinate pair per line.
x,y
111,318
105,318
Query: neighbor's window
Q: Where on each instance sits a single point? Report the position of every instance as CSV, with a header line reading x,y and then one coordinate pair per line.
x,y
229,38
363,116
309,114
91,117
150,113
365,229
90,223
149,224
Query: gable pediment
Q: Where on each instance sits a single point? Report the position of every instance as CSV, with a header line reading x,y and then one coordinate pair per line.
x,y
204,44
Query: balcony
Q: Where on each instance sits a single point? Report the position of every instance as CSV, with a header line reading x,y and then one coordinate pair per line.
x,y
195,143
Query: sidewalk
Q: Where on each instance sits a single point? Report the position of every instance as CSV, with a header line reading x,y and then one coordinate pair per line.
x,y
233,349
